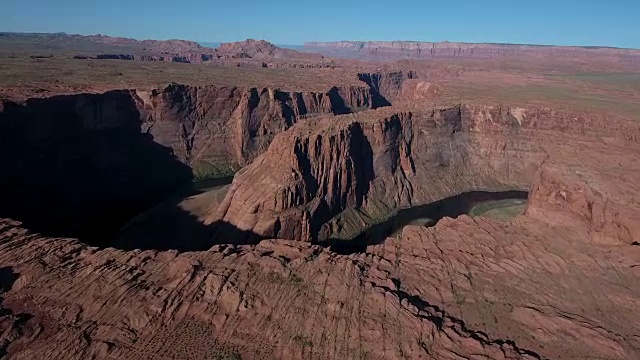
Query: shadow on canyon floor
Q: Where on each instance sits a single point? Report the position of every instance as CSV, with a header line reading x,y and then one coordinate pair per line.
x,y
169,226
187,233
453,206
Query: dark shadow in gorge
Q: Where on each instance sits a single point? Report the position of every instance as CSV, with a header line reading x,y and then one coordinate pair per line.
x,y
80,166
187,233
169,226
453,206
7,278
373,80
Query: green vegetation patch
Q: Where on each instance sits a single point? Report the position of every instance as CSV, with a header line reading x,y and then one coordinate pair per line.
x,y
302,340
227,356
204,170
502,210
626,78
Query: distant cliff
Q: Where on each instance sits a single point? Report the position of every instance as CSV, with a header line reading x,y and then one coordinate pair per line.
x,y
390,50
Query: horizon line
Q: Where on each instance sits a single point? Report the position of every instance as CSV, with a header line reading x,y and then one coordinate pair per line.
x,y
329,41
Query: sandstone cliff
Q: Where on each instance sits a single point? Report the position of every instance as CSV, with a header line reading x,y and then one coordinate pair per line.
x,y
217,127
209,125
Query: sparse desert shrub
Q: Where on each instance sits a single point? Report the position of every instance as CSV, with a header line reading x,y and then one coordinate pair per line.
x,y
303,341
295,279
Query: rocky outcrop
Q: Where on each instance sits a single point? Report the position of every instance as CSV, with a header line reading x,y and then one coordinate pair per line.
x,y
609,217
465,288
359,168
387,83
261,50
115,57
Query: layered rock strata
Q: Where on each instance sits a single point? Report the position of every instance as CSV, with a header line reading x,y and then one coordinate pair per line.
x,y
355,170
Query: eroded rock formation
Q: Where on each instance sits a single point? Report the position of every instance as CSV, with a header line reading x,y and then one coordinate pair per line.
x,y
227,126
59,150
343,173
211,125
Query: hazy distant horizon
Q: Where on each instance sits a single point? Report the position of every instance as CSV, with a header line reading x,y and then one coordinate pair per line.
x,y
549,22
215,44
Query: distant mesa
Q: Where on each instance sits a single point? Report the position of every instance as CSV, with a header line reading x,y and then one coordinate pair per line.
x,y
260,49
395,50
183,51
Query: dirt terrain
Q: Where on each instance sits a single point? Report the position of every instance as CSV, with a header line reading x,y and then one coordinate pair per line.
x,y
113,247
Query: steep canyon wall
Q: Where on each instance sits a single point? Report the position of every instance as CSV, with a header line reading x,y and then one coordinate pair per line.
x,y
77,163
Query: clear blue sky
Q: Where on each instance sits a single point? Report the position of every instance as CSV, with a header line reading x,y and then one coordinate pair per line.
x,y
559,22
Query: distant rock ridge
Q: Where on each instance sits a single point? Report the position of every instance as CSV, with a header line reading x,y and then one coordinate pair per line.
x,y
188,52
184,51
260,49
449,44
391,50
